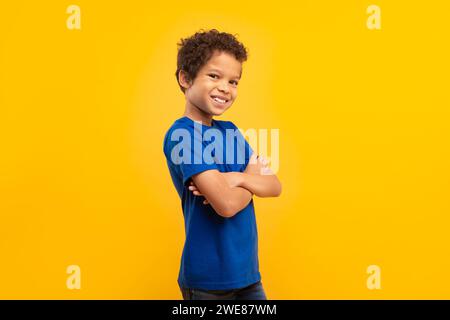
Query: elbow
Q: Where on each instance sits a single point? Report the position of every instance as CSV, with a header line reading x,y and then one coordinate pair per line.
x,y
227,209
277,189
273,191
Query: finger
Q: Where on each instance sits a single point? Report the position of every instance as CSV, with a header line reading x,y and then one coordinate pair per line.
x,y
205,201
262,160
266,171
253,158
197,193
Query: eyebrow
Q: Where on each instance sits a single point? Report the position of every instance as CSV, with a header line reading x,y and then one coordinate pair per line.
x,y
217,70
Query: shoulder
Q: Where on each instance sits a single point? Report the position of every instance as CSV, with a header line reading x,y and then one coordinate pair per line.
x,y
181,123
176,129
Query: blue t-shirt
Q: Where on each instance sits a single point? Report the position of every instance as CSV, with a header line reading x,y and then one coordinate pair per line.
x,y
219,253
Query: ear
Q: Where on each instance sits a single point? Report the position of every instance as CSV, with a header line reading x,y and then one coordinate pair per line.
x,y
182,77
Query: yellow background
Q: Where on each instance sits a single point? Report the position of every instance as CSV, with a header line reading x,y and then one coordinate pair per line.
x,y
364,145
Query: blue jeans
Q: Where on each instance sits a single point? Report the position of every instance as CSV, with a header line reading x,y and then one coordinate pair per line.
x,y
252,292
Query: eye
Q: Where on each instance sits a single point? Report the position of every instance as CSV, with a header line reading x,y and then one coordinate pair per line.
x,y
235,82
213,75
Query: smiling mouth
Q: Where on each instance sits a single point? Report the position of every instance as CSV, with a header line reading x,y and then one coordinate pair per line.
x,y
219,101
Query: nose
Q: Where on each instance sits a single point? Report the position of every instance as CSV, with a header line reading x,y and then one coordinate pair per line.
x,y
223,87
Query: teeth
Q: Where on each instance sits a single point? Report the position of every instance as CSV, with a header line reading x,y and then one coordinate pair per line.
x,y
219,100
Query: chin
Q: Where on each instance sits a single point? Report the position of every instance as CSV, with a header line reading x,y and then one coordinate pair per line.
x,y
218,112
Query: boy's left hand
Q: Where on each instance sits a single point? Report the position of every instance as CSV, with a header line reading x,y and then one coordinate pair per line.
x,y
196,192
233,179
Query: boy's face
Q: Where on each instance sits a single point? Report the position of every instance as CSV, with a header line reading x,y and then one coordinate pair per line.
x,y
217,79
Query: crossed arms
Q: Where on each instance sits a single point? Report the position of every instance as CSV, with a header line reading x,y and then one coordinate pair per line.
x,y
230,192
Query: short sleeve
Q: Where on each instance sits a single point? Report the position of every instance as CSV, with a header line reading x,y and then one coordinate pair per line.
x,y
184,151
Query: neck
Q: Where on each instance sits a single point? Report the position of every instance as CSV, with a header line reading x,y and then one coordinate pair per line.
x,y
194,113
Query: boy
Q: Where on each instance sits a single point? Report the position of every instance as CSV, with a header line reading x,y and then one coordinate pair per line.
x,y
220,254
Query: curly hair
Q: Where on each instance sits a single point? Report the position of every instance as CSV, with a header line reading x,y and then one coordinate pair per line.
x,y
195,51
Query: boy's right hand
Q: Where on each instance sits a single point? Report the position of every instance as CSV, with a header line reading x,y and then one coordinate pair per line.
x,y
258,165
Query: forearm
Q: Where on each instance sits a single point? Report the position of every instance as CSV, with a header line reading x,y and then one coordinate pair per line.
x,y
225,198
238,199
260,185
221,191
